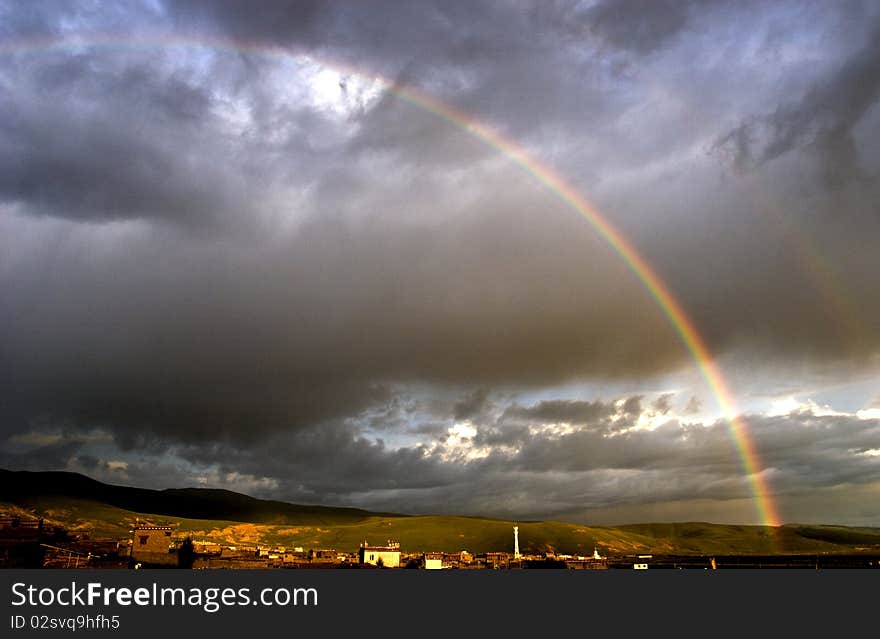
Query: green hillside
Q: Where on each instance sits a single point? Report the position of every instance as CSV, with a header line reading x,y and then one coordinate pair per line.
x,y
441,533
704,538
449,533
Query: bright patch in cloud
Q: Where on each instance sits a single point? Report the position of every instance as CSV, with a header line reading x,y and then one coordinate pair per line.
x,y
459,445
339,93
35,439
790,405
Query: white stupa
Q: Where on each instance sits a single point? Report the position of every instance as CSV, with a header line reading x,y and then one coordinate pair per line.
x,y
516,554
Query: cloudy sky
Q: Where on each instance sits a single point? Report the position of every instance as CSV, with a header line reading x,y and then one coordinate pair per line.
x,y
234,254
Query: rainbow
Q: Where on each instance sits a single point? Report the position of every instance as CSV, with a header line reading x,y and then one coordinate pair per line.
x,y
658,290
661,293
826,281
825,278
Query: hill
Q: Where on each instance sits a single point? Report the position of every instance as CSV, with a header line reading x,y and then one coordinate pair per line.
x,y
85,505
428,533
197,503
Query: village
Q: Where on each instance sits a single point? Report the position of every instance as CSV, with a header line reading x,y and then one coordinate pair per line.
x,y
32,543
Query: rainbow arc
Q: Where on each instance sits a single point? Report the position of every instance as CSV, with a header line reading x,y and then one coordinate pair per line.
x,y
659,291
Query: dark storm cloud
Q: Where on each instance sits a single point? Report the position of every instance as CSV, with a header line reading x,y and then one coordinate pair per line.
x,y
327,464
219,341
50,456
637,25
679,461
567,411
472,405
487,58
279,21
209,256
380,30
529,473
823,120
97,137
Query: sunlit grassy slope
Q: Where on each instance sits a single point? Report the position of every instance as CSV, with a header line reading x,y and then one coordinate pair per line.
x,y
414,533
466,533
704,538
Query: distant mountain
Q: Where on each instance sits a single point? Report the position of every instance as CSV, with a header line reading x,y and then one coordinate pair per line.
x,y
20,487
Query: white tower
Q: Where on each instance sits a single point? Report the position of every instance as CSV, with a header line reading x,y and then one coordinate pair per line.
x,y
516,554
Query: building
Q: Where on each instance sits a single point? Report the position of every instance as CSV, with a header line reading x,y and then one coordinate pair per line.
x,y
206,548
433,560
153,545
326,555
20,542
387,556
494,560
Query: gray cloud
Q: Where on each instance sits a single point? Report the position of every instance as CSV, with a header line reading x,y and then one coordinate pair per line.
x,y
203,249
693,406
472,405
637,26
48,456
823,120
277,20
663,403
578,474
552,411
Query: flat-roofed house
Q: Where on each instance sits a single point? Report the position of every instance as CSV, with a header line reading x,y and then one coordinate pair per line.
x,y
387,556
153,545
433,560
